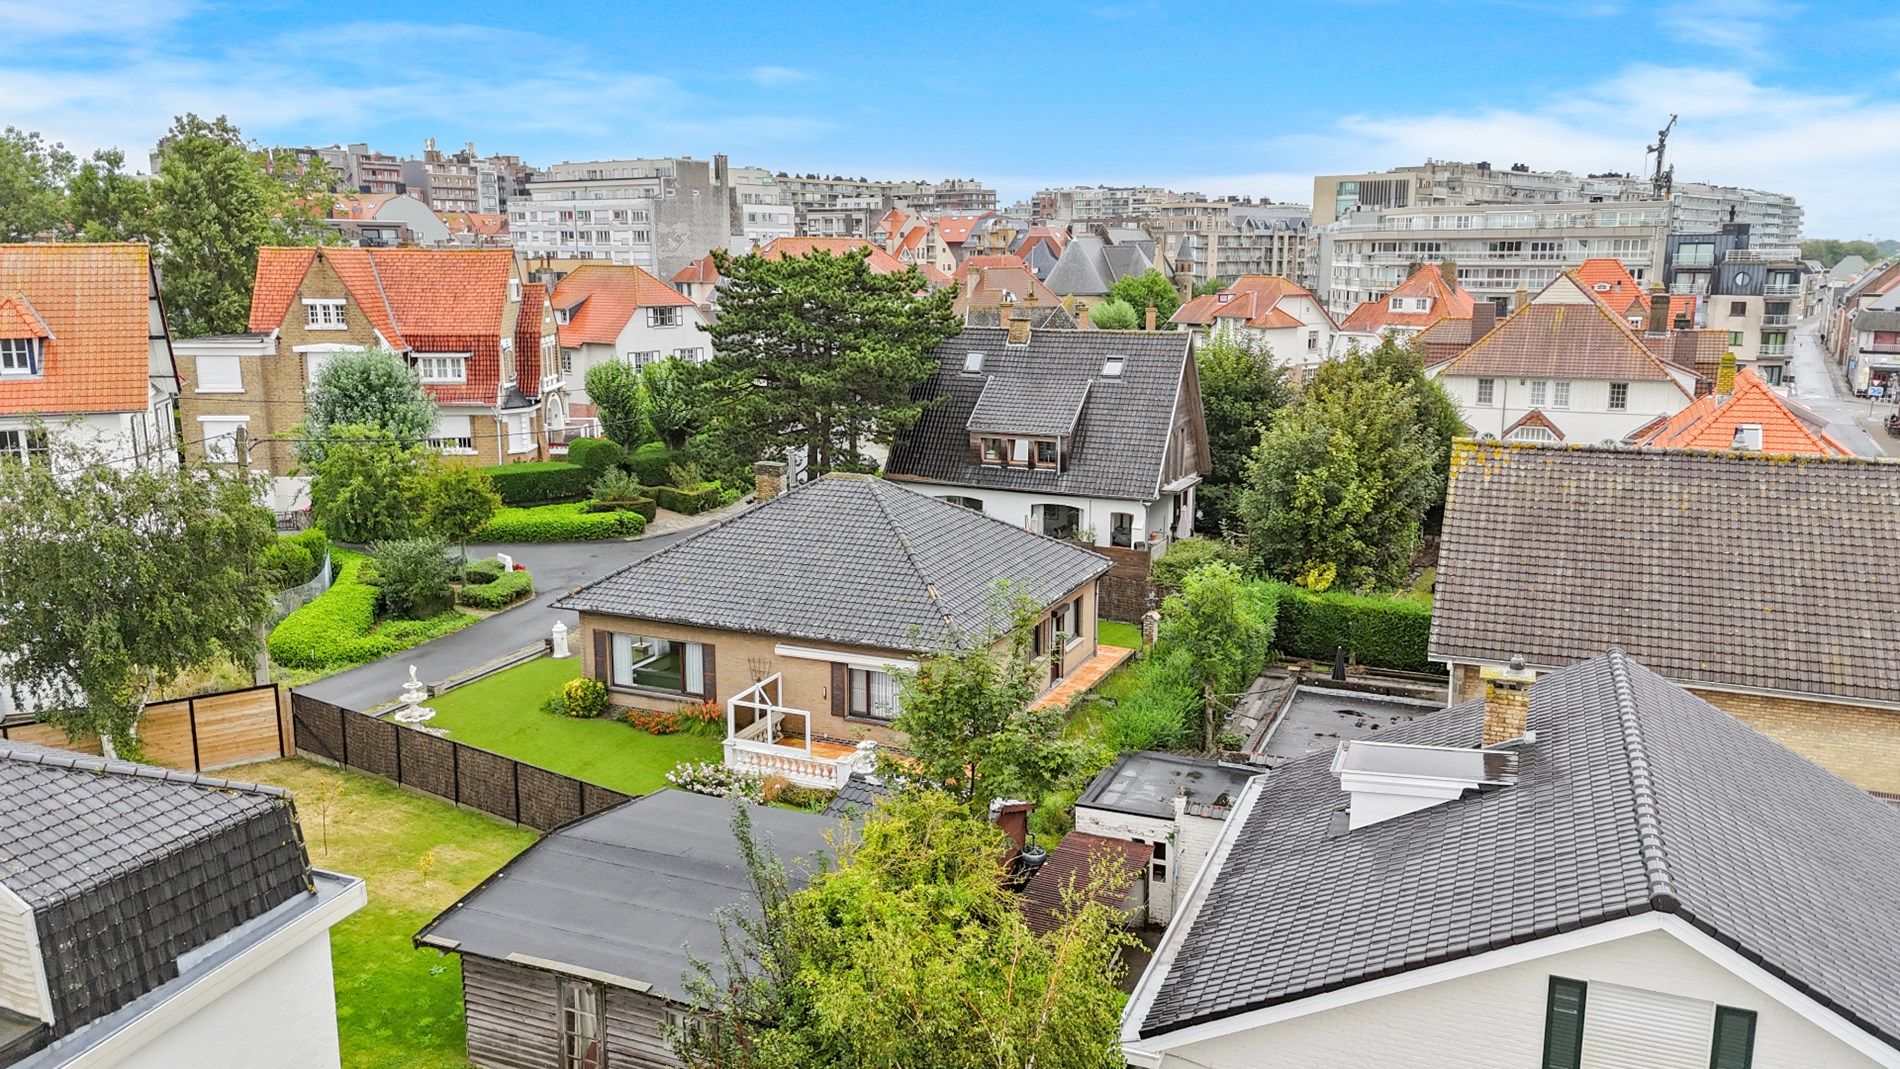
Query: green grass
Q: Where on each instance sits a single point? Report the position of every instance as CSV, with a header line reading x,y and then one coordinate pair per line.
x,y
503,713
396,1006
1085,716
1116,633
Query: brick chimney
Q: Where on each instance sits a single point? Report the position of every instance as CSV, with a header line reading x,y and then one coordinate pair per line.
x,y
1151,315
1658,310
1507,700
1484,316
1725,375
1018,322
768,479
1082,318
1448,270
1520,299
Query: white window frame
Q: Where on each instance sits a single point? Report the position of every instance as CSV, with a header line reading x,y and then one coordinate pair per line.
x,y
1540,393
229,380
23,443
325,313
1560,393
664,315
622,664
1486,394
879,689
220,446
583,1025
1624,404
442,369
19,357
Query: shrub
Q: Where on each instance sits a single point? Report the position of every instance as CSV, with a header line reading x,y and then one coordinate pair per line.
x,y
616,485
330,629
498,592
1156,712
810,799
654,721
714,778
538,482
644,507
596,456
652,463
486,570
288,564
1383,632
315,542
583,697
1187,554
413,577
559,523
691,501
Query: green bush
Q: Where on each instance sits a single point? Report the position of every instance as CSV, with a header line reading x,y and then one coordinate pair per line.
x,y
497,593
314,541
645,507
288,564
596,456
1383,632
1155,712
1187,554
539,482
413,577
690,501
583,697
559,523
486,570
335,631
652,464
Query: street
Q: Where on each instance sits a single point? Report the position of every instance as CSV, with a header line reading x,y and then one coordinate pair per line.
x,y
1818,386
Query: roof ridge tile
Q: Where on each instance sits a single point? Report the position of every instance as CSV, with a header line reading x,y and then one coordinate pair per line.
x,y
1662,891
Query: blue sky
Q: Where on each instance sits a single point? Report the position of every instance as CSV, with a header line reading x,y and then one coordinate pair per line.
x,y
1250,98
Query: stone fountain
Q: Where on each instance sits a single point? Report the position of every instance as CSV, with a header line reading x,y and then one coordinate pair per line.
x,y
413,712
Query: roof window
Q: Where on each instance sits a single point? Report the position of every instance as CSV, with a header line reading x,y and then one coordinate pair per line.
x,y
1112,367
973,363
1748,437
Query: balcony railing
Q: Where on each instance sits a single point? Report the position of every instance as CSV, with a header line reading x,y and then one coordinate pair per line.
x,y
765,738
1783,289
1777,321
1772,351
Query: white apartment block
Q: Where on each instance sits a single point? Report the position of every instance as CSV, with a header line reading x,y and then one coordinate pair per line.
x,y
1100,204
835,206
762,209
658,214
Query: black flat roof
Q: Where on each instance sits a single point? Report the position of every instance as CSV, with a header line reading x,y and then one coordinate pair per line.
x,y
1145,783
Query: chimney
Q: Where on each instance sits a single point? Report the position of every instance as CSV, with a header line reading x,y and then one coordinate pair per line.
x,y
1448,270
1520,299
1507,700
1725,375
1018,320
1484,316
768,479
1658,310
971,275
1151,316
1082,318
1013,818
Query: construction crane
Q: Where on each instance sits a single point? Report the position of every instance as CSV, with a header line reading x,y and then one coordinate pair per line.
x,y
1662,178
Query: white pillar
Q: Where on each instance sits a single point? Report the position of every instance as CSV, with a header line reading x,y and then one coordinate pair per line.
x,y
560,641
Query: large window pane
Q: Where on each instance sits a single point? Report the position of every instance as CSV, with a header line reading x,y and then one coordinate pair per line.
x,y
658,664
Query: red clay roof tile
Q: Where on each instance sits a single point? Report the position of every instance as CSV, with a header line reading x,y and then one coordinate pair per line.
x,y
90,306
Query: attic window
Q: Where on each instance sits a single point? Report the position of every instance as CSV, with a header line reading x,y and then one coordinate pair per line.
x,y
19,356
973,363
1112,367
1602,287
1748,437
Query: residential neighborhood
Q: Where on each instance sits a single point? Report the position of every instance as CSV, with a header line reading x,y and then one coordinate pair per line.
x,y
777,562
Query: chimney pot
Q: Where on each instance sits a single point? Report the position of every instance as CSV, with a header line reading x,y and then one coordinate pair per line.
x,y
1658,310
1507,700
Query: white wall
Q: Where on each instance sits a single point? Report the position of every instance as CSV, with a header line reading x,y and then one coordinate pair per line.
x,y
1131,827
284,1016
22,972
1014,507
1587,421
638,337
110,433
1495,1020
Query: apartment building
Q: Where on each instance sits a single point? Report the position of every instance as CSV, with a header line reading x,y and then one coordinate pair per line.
x,y
1248,239
1073,205
762,210
359,169
657,214
1756,295
445,183
835,206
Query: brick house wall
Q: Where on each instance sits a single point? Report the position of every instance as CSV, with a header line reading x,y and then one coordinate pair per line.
x,y
1859,743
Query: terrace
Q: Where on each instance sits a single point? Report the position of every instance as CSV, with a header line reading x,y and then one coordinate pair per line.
x,y
768,738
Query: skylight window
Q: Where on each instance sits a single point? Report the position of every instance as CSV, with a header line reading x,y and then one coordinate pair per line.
x,y
1112,367
973,363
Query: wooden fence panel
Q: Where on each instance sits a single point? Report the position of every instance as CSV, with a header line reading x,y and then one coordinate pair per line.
x,y
51,736
237,727
165,732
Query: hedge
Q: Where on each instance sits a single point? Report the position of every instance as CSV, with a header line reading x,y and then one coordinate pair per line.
x,y
538,482
1381,632
511,587
594,454
559,523
653,464
645,506
337,629
698,499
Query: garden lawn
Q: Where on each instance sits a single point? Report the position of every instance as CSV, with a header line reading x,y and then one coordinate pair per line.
x,y
1085,716
503,713
1117,633
397,1007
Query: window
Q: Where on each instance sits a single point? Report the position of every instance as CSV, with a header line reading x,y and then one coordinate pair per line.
x,y
1563,1023
19,356
452,434
1737,309
873,694
994,451
1540,393
1734,1043
567,361
1486,389
223,439
581,1045
643,357
1112,367
521,433
658,664
1698,254
324,315
973,363
1619,396
1058,521
1121,529
1532,433
680,1023
666,316
974,504
442,368
219,374
690,354
1312,340
1158,866
1019,450
1045,453
514,289
1735,337
1560,394
24,445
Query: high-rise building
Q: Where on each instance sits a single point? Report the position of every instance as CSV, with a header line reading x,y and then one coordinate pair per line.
x,y
445,183
831,205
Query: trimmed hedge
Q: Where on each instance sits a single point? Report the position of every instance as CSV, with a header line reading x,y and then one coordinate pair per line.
x,y
645,506
653,464
334,630
510,588
478,572
559,523
594,454
691,501
538,482
1381,632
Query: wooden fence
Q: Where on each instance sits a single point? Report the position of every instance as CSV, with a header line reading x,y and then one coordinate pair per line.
x,y
466,775
209,731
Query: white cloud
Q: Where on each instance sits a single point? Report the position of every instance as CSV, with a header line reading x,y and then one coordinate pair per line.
x,y
774,77
1742,27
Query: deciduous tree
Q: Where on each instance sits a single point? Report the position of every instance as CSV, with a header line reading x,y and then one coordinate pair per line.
x,y
1223,626
1241,389
669,401
33,177
1149,287
614,389
461,499
1210,287
369,487
118,578
104,203
1114,314
375,388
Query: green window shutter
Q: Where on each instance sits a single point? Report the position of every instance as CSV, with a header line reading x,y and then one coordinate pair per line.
x,y
1734,1045
1563,1023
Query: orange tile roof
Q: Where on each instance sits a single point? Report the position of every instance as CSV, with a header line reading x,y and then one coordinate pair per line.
x,y
1253,298
1558,337
604,296
702,270
401,291
1613,285
932,274
992,281
280,273
485,224
1449,301
90,306
1711,421
359,205
881,262
956,228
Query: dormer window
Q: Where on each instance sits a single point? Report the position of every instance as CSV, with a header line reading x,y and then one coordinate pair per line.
x,y
664,316
324,315
562,316
443,368
973,363
1112,367
19,356
995,451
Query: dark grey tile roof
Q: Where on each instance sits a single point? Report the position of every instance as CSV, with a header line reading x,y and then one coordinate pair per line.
x,y
1082,269
134,866
634,892
1121,442
1026,405
1875,319
1146,783
1041,317
848,559
1636,797
1724,568
858,794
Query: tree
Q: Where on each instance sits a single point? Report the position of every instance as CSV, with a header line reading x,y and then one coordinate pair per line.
x,y
369,487
669,402
214,206
118,578
104,203
1219,622
375,388
1339,485
967,722
1241,389
412,579
913,951
1402,363
820,353
1114,314
461,500
1831,251
614,388
33,177
1209,288
1149,287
